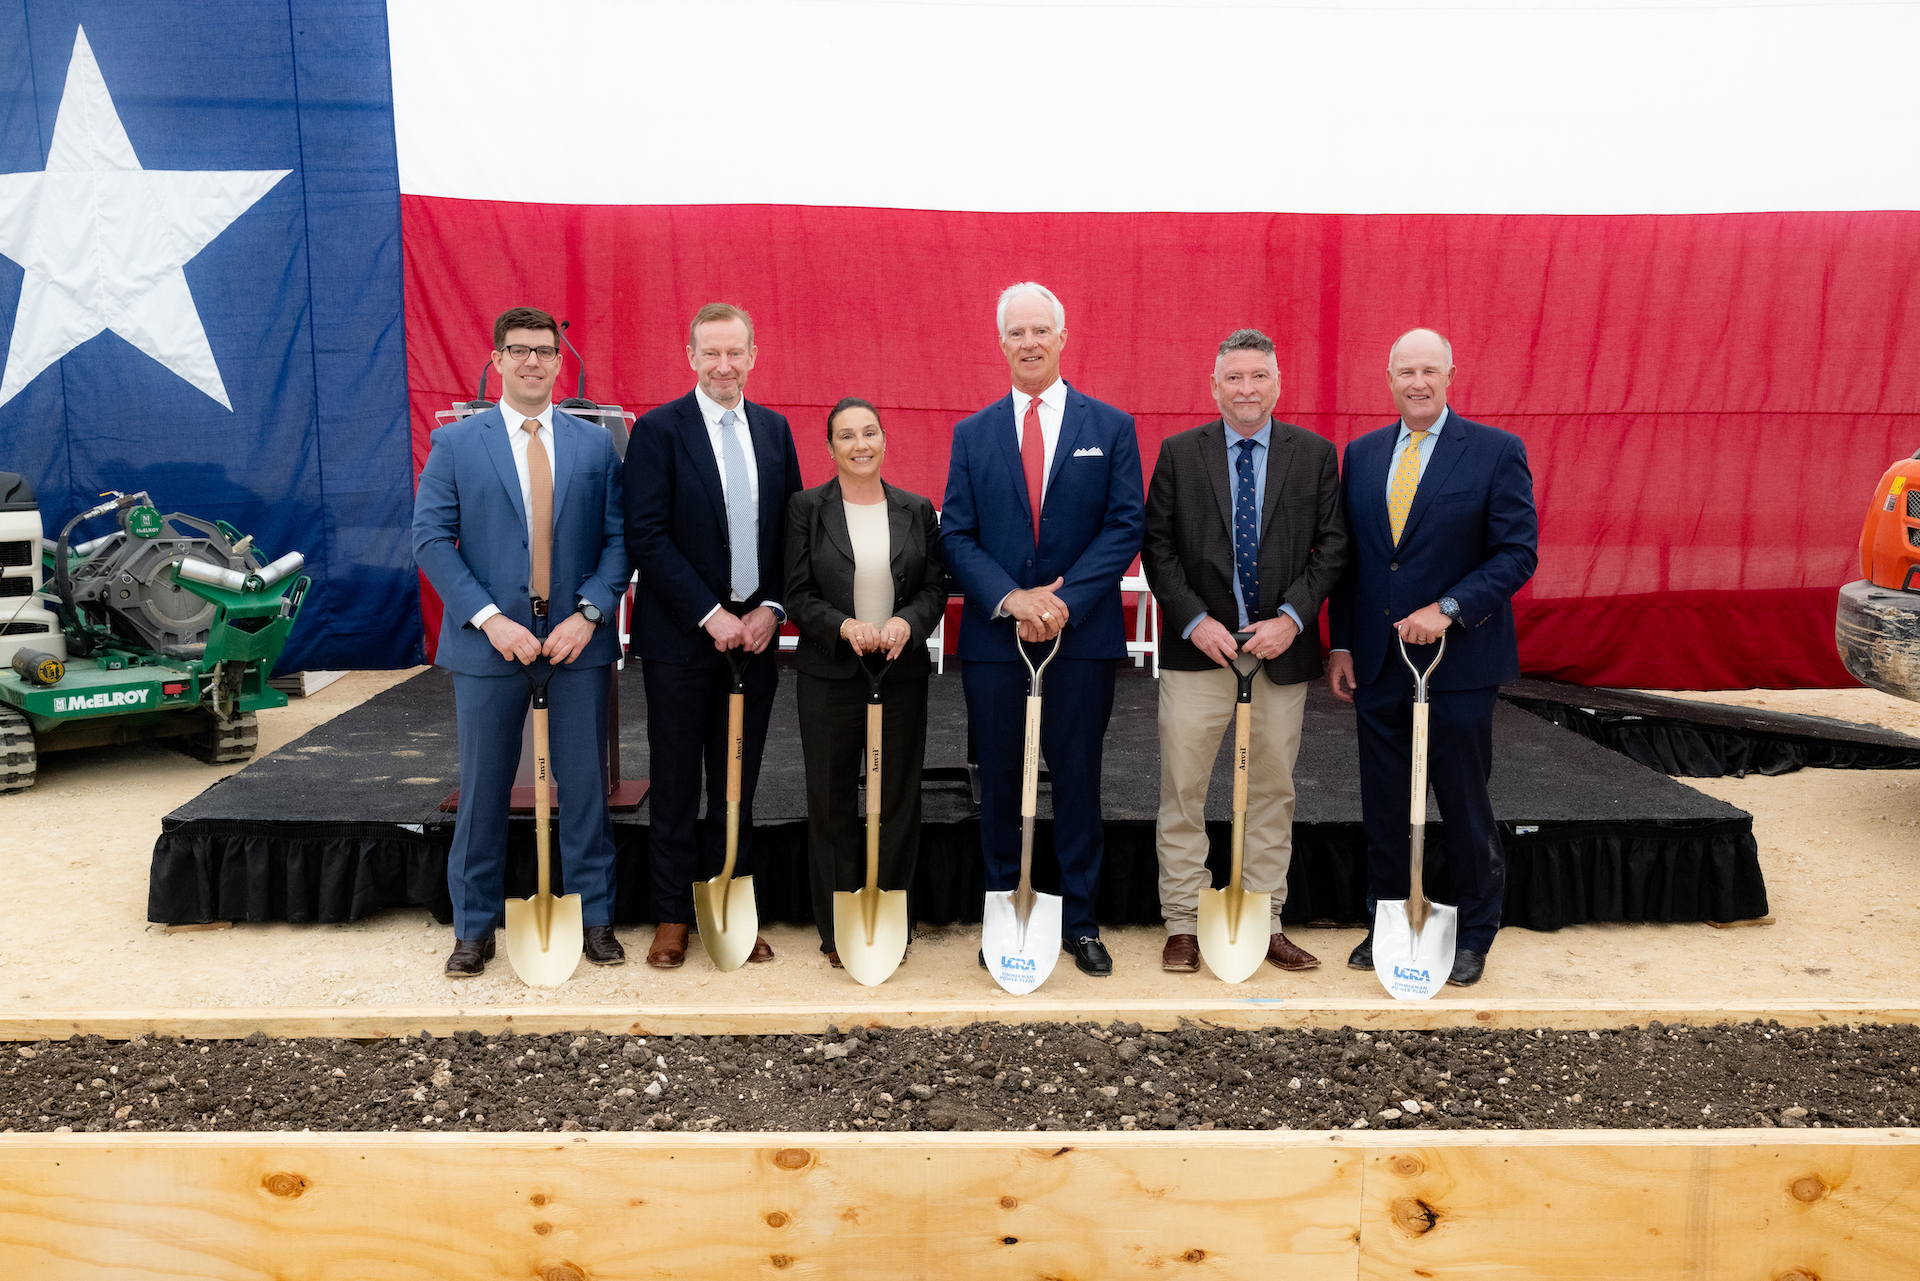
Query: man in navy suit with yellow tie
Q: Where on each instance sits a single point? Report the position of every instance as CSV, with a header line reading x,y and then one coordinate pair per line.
x,y
1043,514
516,523
1444,533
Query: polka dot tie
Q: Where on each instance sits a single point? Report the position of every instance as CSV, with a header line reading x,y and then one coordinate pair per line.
x,y
1406,479
1246,531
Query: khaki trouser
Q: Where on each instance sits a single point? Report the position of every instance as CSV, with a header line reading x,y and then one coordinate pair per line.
x,y
1196,713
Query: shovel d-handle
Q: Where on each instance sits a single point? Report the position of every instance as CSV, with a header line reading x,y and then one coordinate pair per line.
x,y
538,673
1417,805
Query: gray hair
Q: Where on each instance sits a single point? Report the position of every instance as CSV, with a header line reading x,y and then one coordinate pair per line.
x,y
1394,350
1011,292
1247,340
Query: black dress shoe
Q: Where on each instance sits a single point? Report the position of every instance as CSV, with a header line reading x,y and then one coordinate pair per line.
x,y
470,957
601,947
1467,968
983,958
1090,954
1361,958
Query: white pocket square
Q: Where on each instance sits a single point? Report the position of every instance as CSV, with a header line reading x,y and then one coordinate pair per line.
x,y
1091,451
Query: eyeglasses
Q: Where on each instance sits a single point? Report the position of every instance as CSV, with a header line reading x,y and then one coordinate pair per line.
x,y
519,351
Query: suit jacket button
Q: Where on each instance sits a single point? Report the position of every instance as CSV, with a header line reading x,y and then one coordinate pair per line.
x,y
1395,565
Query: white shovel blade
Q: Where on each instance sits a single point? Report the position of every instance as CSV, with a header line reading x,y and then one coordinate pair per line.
x,y
1412,967
1019,966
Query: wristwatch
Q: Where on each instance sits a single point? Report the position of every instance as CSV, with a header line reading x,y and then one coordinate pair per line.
x,y
778,613
1450,607
591,612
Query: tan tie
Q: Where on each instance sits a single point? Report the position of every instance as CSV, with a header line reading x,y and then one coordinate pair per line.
x,y
1406,479
540,513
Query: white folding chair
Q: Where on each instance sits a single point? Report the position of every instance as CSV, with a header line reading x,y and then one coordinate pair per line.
x,y
1146,618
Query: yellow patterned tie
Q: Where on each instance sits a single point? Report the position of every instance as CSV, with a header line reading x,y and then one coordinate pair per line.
x,y
1406,479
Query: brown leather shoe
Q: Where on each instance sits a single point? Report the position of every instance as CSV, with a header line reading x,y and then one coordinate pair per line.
x,y
833,959
669,949
601,947
1283,952
470,957
761,951
1181,955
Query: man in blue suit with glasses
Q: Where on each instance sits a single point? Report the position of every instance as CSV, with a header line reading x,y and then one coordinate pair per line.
x,y
1044,512
517,524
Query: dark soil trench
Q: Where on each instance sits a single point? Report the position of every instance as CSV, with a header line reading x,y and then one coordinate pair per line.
x,y
1046,1076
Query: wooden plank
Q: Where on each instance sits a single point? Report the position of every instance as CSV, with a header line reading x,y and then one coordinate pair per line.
x,y
1750,1204
827,1207
784,1020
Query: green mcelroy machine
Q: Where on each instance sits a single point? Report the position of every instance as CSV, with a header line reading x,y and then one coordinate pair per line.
x,y
165,628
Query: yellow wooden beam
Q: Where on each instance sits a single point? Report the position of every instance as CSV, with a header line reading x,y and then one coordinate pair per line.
x,y
776,1020
1557,1206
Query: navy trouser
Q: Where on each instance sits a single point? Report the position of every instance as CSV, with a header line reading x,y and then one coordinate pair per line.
x,y
686,736
1459,762
1076,700
492,711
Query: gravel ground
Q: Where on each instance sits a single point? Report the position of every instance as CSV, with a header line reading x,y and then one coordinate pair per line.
x,y
980,1077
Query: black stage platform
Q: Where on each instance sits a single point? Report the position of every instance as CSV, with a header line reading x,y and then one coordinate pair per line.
x,y
344,822
1690,739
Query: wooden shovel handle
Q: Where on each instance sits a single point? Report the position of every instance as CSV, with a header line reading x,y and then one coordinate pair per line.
x,y
873,796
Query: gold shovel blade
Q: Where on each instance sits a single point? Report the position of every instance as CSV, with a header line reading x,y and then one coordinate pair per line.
x,y
552,965
1234,942
870,961
727,947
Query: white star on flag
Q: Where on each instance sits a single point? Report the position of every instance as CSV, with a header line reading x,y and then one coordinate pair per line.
x,y
103,241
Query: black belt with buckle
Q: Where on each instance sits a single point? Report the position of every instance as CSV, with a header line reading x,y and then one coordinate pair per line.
x,y
539,607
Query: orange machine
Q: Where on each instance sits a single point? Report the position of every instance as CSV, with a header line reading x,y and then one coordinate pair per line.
x,y
1890,540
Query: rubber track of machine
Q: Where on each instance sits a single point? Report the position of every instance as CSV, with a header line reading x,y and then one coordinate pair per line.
x,y
225,741
18,760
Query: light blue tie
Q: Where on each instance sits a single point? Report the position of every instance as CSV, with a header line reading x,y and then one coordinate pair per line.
x,y
741,525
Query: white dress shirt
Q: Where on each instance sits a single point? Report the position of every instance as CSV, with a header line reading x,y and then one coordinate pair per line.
x,y
518,439
711,411
1053,408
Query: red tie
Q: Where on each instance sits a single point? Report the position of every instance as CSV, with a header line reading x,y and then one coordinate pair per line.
x,y
1033,456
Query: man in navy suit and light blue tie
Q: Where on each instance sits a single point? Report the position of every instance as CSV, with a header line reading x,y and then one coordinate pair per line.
x,y
708,477
1444,533
1043,514
516,523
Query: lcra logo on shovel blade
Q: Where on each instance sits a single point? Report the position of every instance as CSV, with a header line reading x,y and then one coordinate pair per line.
x,y
1411,975
1016,963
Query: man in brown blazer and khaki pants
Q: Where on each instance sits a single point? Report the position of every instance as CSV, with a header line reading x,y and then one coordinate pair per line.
x,y
1245,532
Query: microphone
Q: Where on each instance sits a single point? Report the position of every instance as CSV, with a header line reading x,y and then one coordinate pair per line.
x,y
580,388
579,398
480,401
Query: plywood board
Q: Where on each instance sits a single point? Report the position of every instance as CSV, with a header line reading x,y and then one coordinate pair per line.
x,y
828,1207
1747,1205
787,1020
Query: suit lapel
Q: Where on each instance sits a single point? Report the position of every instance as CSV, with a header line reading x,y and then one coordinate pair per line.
x,y
899,525
1009,441
566,455
1214,461
1280,449
500,449
1447,452
1072,418
699,450
833,514
769,462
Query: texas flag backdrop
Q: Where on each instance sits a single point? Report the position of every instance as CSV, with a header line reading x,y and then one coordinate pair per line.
x,y
253,247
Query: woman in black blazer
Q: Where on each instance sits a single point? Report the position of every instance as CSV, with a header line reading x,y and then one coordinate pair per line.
x,y
863,578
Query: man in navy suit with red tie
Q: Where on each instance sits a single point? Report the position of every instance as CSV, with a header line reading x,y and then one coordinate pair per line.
x,y
1043,514
1444,533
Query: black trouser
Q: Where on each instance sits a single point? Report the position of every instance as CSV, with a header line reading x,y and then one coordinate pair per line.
x,y
686,731
833,738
